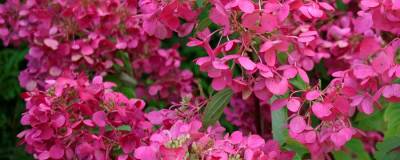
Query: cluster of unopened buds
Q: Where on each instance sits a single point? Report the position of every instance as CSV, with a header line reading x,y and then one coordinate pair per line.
x,y
269,53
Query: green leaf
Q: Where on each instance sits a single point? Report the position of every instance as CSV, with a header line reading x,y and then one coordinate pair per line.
x,y
204,23
215,107
279,118
200,3
340,5
282,57
372,122
385,149
357,147
354,150
341,155
297,147
298,83
392,119
124,128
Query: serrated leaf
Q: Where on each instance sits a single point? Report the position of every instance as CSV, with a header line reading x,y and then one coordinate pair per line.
x,y
215,107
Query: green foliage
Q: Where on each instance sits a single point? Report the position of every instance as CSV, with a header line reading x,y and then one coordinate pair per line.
x,y
10,61
392,119
293,145
354,149
340,5
11,105
385,149
298,83
372,122
279,120
391,142
215,107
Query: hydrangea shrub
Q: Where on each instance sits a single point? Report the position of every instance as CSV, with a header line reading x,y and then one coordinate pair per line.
x,y
289,79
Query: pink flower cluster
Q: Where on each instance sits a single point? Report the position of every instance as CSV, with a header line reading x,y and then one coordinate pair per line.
x,y
186,140
76,118
87,35
271,43
269,53
81,119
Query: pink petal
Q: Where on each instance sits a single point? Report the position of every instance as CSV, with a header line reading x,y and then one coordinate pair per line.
x,y
326,6
246,6
290,73
246,63
347,133
87,50
194,42
52,43
277,87
270,58
337,139
303,75
155,117
310,137
58,121
255,141
388,91
236,137
297,124
268,23
219,65
278,104
266,46
293,104
395,4
342,104
363,22
315,12
283,12
218,83
381,63
369,3
145,153
362,71
306,39
368,46
367,106
56,151
312,95
229,45
99,118
44,155
320,110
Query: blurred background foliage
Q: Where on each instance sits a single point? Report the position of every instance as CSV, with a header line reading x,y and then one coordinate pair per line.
x,y
11,105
